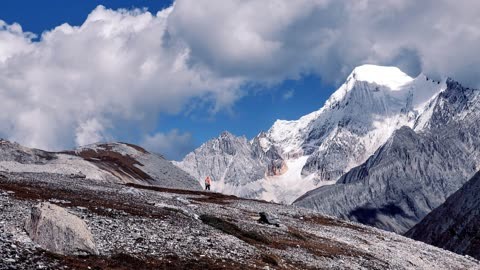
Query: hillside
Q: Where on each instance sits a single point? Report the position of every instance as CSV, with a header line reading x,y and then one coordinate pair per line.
x,y
146,227
454,225
107,162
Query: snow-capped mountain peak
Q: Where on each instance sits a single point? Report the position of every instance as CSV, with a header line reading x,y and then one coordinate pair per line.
x,y
416,169
297,155
391,77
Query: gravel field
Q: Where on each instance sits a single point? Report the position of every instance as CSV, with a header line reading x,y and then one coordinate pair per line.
x,y
150,227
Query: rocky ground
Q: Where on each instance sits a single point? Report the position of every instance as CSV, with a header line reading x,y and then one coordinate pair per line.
x,y
146,227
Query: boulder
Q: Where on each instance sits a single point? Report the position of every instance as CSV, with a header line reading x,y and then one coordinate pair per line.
x,y
78,175
58,231
269,218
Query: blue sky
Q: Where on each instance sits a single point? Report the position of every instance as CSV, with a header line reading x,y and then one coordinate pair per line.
x,y
38,16
254,112
174,76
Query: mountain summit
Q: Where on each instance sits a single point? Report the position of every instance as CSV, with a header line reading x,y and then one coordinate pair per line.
x,y
391,77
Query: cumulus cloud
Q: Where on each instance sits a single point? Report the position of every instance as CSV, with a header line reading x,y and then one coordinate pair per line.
x,y
89,131
173,145
80,84
13,40
278,39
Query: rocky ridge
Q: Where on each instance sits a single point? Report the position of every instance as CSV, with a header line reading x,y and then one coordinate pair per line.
x,y
454,225
106,162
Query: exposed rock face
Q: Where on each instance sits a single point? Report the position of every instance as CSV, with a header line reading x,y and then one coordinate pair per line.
x,y
415,171
269,218
56,230
268,155
454,225
14,152
233,162
277,167
320,147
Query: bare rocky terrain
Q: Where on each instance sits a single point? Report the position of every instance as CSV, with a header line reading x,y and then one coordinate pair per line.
x,y
148,227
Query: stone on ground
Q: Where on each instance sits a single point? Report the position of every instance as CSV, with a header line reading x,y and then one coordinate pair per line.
x,y
58,231
269,218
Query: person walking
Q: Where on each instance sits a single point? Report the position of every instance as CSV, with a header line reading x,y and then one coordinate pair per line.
x,y
208,182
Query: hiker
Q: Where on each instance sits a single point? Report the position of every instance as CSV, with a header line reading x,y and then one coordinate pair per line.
x,y
208,182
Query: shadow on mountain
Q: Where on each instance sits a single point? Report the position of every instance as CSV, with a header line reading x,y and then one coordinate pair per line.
x,y
370,216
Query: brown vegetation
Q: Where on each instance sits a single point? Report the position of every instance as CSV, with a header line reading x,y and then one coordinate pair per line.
x,y
326,221
208,196
122,166
227,227
97,203
123,261
295,238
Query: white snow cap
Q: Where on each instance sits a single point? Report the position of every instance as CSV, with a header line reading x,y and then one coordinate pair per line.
x,y
392,77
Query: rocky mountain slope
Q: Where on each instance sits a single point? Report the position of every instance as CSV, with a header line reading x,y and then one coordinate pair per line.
x,y
112,162
415,171
294,157
133,226
234,163
454,225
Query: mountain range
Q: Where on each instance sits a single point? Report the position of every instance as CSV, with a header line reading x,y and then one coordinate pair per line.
x,y
294,157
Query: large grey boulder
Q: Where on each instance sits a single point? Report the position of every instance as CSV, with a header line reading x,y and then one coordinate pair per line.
x,y
269,218
58,231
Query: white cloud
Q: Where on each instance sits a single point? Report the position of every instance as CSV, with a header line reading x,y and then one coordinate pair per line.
x,y
173,145
90,131
82,83
278,39
117,66
13,40
288,94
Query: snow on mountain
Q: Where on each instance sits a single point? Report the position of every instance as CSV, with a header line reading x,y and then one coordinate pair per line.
x,y
318,148
113,162
414,171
